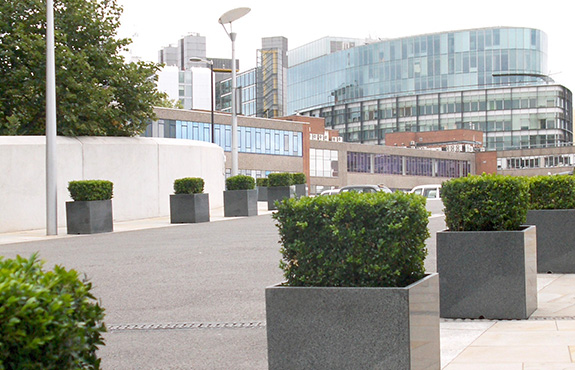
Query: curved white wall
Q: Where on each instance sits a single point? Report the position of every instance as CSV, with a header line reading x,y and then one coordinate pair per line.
x,y
143,171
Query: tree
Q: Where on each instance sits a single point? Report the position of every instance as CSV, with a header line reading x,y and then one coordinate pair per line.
x,y
97,92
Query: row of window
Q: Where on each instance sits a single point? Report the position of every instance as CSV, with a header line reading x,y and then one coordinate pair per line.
x,y
405,165
561,160
323,163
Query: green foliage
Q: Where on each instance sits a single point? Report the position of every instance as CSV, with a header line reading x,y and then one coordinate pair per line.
x,y
262,181
279,179
97,92
83,190
353,239
552,192
240,182
48,320
189,185
298,178
485,203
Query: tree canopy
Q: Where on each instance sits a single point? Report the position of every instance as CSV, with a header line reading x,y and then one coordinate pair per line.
x,y
97,92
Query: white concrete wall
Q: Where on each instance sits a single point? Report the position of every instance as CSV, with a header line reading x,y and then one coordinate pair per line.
x,y
143,171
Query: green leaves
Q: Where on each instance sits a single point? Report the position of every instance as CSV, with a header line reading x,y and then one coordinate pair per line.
x,y
84,190
189,185
240,182
353,239
97,92
552,192
279,179
48,320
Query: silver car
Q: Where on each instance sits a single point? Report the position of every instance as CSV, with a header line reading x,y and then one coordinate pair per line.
x,y
365,188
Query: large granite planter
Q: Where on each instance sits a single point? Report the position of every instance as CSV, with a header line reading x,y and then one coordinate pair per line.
x,y
189,208
487,274
89,217
300,190
354,328
555,239
239,203
279,193
262,193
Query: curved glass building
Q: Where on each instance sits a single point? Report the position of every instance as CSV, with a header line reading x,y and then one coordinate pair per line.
x,y
490,79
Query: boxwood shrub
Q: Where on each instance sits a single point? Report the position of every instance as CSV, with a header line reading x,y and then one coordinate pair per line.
x,y
279,179
485,203
353,240
85,190
48,320
240,182
262,181
552,192
189,185
298,178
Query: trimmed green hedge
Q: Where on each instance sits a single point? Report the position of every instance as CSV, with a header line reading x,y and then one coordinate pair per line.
x,y
85,190
298,178
485,203
279,179
262,181
189,185
552,192
48,320
353,239
240,182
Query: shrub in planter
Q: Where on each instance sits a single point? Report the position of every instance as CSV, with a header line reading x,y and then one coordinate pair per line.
x,y
91,210
279,179
189,204
279,188
551,207
354,271
262,186
298,178
48,319
262,181
299,181
241,197
486,260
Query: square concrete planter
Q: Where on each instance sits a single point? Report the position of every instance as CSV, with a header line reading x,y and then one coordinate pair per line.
x,y
89,217
189,208
279,193
487,274
354,328
300,190
239,203
555,239
262,193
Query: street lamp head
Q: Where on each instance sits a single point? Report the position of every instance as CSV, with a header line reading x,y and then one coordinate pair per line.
x,y
202,60
233,15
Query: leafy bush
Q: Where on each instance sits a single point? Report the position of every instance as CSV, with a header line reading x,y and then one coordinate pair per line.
x,y
262,181
364,240
485,203
279,179
83,190
298,178
189,185
552,192
48,320
240,182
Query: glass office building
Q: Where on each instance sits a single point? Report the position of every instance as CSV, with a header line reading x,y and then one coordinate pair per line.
x,y
490,79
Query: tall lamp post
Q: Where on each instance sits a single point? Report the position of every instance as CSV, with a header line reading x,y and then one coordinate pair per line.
x,y
229,17
51,189
211,64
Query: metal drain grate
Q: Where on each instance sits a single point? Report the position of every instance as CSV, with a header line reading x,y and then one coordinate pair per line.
x,y
533,318
189,325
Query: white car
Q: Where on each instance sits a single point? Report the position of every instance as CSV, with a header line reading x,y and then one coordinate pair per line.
x,y
428,191
365,188
329,192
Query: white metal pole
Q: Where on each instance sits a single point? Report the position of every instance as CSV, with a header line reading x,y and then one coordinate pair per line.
x,y
234,109
51,189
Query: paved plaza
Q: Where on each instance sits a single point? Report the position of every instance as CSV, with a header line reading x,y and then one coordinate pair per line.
x,y
192,297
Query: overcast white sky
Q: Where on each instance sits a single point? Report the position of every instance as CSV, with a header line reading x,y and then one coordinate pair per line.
x,y
154,24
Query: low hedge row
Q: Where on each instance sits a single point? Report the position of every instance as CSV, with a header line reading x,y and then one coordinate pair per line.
x,y
189,185
286,179
86,190
552,192
240,182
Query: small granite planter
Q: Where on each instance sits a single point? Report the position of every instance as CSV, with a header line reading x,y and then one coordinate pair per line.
x,y
487,274
239,203
279,193
89,217
555,239
262,193
300,190
189,208
354,328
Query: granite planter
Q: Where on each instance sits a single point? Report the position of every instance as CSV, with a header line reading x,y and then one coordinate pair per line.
x,y
89,217
240,203
354,328
555,239
262,193
279,193
487,274
300,190
189,208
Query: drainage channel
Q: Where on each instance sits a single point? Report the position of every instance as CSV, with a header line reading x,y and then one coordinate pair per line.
x,y
189,325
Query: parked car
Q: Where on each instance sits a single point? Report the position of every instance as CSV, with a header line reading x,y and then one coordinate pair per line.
x,y
365,188
329,192
428,191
